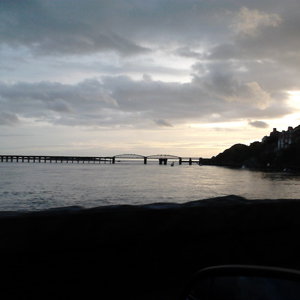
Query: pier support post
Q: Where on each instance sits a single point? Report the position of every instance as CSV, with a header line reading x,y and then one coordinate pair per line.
x,y
145,160
113,161
180,160
190,161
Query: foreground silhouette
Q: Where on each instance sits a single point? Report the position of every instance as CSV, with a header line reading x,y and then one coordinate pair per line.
x,y
140,252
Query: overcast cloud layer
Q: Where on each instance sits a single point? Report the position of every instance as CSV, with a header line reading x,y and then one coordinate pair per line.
x,y
147,64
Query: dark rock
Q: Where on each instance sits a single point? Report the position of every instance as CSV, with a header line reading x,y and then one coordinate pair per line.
x,y
141,252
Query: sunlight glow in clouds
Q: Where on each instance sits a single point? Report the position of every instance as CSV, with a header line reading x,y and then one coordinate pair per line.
x,y
292,119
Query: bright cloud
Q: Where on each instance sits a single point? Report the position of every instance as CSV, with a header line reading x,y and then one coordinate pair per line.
x,y
250,21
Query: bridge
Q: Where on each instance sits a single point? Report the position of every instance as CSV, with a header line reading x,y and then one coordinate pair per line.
x,y
162,159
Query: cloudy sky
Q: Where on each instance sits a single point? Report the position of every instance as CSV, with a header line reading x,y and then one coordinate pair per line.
x,y
183,77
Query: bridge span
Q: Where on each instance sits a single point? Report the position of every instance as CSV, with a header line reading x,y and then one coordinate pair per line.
x,y
161,158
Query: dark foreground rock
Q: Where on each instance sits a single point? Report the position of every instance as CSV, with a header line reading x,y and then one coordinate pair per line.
x,y
140,252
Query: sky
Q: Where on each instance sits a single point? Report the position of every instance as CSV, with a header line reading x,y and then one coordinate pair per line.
x,y
181,77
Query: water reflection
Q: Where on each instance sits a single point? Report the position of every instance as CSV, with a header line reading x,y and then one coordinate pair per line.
x,y
281,176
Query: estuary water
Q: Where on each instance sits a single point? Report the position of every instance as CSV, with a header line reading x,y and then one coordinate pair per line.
x,y
37,186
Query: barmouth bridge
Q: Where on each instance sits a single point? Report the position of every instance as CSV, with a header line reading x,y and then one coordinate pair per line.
x,y
161,158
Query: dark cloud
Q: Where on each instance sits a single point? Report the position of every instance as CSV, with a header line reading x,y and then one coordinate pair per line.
x,y
8,119
187,52
52,28
259,124
163,123
127,27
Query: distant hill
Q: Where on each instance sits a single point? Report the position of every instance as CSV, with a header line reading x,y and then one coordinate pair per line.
x,y
278,151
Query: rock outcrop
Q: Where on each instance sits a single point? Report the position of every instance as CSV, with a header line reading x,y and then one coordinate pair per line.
x,y
140,252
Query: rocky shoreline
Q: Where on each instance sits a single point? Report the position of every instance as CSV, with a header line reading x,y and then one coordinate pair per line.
x,y
140,252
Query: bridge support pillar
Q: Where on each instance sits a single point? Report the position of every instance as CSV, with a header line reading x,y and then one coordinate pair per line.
x,y
180,160
190,161
163,161
145,160
113,160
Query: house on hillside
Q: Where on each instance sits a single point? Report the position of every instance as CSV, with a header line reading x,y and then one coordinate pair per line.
x,y
284,138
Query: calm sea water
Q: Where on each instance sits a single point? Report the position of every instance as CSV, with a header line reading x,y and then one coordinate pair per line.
x,y
29,186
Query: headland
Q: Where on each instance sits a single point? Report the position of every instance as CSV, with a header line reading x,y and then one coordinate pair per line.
x,y
279,151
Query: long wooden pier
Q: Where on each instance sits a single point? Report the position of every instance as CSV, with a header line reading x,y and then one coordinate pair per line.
x,y
162,159
56,159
